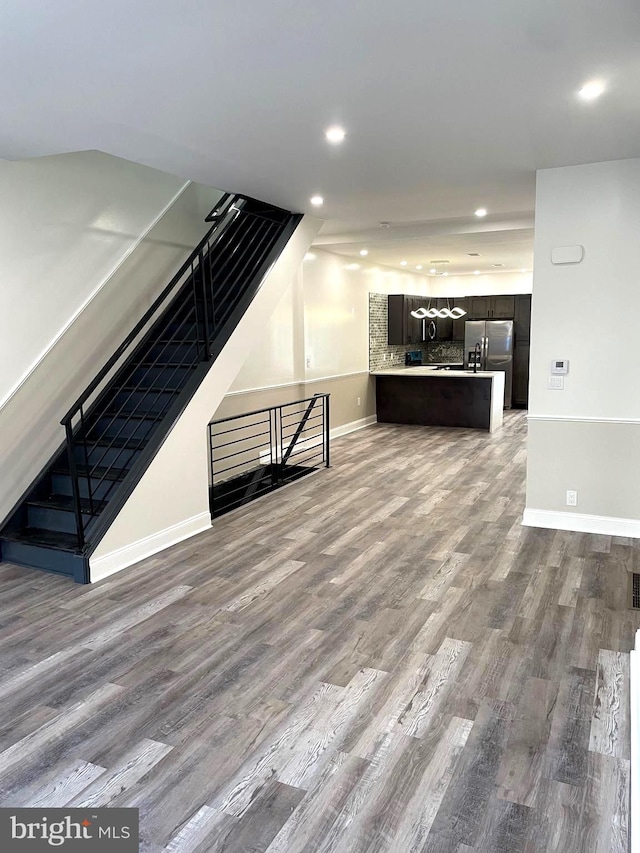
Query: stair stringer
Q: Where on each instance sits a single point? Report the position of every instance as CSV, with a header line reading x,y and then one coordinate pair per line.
x,y
171,500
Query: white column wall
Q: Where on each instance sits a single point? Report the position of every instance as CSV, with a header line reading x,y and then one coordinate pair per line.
x,y
587,436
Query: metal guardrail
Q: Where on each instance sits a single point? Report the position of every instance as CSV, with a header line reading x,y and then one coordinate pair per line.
x,y
256,452
105,427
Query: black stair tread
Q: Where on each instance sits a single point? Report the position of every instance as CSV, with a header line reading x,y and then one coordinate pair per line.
x,y
167,364
133,416
181,341
99,473
150,389
65,502
43,538
116,443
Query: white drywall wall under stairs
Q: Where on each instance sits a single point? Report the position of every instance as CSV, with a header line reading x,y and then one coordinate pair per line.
x,y
171,501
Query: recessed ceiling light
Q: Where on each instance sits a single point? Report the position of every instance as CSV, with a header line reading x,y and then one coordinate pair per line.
x,y
522,270
335,135
419,267
445,273
476,272
592,90
309,256
433,270
403,263
352,267
364,252
481,211
316,200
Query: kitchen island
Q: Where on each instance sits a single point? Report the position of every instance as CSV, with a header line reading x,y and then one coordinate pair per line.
x,y
452,398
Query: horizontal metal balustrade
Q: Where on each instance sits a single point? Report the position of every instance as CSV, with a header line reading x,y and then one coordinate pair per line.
x,y
256,452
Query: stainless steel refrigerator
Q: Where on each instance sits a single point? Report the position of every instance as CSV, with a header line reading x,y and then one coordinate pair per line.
x,y
490,343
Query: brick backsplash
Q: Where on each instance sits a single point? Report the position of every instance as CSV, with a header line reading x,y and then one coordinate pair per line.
x,y
379,348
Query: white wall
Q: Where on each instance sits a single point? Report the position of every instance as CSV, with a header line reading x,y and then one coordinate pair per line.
x,y
65,223
486,284
98,312
276,356
586,437
336,310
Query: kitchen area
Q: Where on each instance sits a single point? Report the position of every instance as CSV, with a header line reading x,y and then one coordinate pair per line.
x,y
449,361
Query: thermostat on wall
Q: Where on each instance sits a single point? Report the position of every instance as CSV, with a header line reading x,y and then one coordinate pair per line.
x,y
560,365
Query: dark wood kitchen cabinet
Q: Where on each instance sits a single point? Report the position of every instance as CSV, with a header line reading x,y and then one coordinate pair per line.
x,y
444,327
520,387
458,325
479,308
491,307
522,318
502,307
402,328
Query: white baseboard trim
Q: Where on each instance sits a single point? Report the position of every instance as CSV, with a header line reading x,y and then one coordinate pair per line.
x,y
581,523
352,426
122,558
583,419
634,689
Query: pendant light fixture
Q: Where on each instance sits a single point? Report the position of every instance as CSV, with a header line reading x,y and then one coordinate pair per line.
x,y
438,268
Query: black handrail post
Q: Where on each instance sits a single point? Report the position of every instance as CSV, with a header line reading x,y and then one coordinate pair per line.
x,y
213,473
327,428
282,462
75,486
205,310
273,463
86,460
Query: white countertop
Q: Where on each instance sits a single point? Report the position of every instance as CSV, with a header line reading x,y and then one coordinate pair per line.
x,y
426,371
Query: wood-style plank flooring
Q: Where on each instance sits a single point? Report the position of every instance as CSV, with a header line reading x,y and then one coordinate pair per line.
x,y
377,658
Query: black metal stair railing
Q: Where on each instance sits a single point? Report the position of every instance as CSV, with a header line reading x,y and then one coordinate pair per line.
x,y
112,421
256,452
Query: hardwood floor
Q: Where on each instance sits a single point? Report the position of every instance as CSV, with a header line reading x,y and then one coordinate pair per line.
x,y
377,658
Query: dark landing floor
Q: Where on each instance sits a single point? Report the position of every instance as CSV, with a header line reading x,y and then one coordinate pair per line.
x,y
378,658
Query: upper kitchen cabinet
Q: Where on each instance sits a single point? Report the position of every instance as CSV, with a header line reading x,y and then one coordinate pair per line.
x,y
402,328
502,307
522,318
458,325
479,308
444,327
491,307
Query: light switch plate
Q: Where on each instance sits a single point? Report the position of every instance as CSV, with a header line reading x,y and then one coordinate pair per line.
x,y
555,383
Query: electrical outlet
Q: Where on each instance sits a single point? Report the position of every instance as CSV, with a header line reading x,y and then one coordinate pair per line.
x,y
308,362
358,400
384,356
572,498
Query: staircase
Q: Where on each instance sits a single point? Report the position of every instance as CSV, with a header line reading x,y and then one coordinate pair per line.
x,y
116,427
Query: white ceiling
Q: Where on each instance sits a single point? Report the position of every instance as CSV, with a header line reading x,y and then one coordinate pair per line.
x,y
447,105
